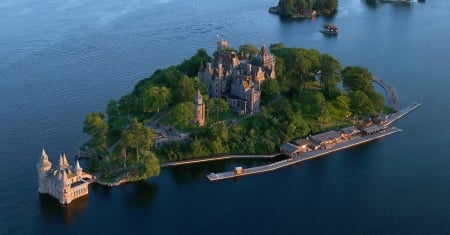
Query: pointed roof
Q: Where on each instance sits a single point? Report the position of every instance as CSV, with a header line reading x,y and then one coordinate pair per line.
x,y
61,163
198,96
77,166
263,51
62,177
44,162
66,164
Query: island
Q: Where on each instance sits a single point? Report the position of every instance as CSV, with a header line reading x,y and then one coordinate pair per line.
x,y
246,101
303,9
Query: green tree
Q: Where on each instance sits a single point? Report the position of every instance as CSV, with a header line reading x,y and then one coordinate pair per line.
x,y
357,78
249,49
96,127
184,113
190,67
149,165
154,98
217,105
138,137
270,90
185,90
127,104
360,104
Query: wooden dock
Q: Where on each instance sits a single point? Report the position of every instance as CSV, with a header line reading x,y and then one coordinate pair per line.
x,y
391,92
209,159
305,156
395,116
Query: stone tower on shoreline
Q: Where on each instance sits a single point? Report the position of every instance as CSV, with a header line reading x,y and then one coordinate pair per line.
x,y
199,109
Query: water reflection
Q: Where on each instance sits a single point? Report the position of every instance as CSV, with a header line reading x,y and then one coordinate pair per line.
x,y
141,193
52,211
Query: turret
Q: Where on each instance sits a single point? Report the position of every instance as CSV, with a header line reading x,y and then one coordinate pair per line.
x,y
199,112
43,167
66,164
78,169
64,184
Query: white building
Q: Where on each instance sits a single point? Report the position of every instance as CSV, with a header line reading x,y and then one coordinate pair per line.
x,y
65,183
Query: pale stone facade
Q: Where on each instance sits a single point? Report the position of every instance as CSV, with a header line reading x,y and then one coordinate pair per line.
x,y
65,183
238,80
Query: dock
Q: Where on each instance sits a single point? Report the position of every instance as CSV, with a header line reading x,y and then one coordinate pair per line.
x,y
209,159
391,92
401,113
305,156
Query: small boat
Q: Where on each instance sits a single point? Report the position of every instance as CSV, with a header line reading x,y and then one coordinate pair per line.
x,y
329,29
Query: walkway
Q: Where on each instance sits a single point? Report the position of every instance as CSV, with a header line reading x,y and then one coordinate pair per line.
x,y
390,90
209,159
395,116
305,156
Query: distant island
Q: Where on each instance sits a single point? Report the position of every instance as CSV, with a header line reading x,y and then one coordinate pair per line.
x,y
245,101
301,9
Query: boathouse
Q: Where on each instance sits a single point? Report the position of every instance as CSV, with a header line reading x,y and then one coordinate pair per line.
x,y
372,129
290,150
350,131
304,144
326,139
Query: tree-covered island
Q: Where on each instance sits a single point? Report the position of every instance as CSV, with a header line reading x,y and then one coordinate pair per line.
x,y
300,9
158,121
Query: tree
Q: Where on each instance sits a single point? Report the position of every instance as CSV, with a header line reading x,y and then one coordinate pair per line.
x,y
270,90
184,113
95,126
360,104
138,136
185,90
216,105
330,69
248,49
127,104
154,98
149,165
357,78
190,67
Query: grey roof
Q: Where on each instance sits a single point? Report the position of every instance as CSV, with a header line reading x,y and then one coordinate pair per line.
x,y
322,137
301,142
372,129
350,130
291,148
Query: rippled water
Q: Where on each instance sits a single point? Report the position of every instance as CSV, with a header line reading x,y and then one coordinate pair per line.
x,y
62,59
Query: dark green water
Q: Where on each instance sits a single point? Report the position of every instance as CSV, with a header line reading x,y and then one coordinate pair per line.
x,y
63,59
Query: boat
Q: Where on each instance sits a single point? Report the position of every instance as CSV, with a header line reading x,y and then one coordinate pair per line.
x,y
330,29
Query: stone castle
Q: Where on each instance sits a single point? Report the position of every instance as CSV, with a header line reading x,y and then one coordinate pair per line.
x,y
65,183
238,80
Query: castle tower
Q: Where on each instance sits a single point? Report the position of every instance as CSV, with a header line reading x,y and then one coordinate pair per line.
x,y
199,112
66,194
222,44
43,167
66,164
78,169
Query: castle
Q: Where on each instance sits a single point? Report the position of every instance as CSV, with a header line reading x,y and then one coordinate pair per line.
x,y
238,80
64,183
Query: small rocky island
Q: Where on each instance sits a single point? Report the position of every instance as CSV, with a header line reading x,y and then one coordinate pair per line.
x,y
304,9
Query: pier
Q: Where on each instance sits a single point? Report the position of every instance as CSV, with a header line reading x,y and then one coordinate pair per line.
x,y
209,159
395,116
304,156
390,90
